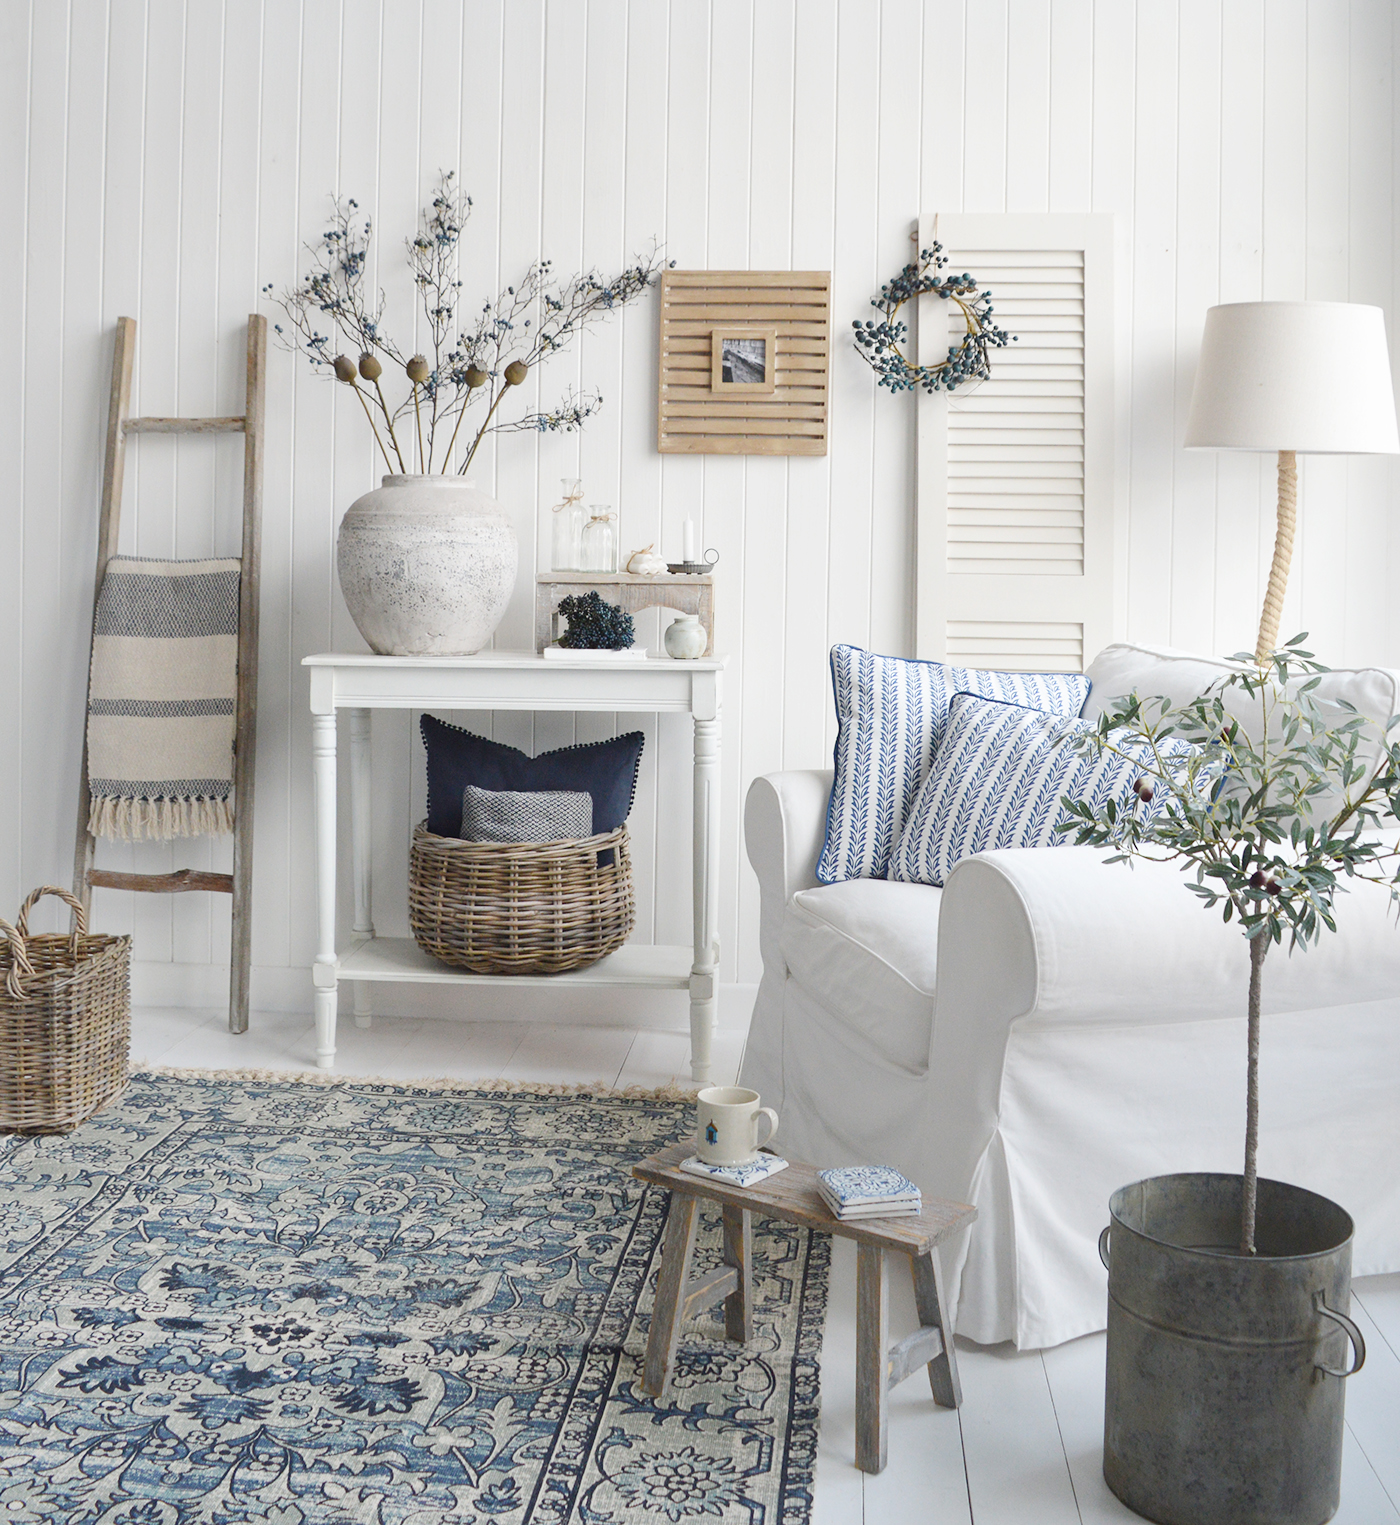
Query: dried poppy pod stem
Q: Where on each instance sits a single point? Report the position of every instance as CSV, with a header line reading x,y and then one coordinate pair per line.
x,y
515,373
476,377
372,370
345,371
417,370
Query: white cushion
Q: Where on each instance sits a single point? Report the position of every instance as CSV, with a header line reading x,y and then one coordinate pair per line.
x,y
1121,668
1180,677
867,951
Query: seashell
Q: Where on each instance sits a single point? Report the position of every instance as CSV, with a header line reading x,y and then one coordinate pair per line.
x,y
646,563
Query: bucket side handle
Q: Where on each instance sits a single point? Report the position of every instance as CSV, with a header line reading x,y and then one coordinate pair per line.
x,y
1358,1344
1103,1246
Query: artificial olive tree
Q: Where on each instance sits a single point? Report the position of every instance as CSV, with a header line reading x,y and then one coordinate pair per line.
x,y
1270,822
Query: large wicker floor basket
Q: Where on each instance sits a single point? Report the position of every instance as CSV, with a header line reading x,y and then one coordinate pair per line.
x,y
65,1022
520,907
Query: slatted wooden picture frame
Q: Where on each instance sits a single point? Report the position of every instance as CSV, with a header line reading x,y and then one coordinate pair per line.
x,y
700,414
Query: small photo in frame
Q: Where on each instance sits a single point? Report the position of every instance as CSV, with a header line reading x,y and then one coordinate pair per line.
x,y
744,359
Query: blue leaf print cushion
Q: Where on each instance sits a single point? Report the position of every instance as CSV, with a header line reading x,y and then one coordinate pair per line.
x,y
998,780
891,713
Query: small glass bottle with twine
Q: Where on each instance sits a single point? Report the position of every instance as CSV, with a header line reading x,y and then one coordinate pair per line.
x,y
569,518
600,539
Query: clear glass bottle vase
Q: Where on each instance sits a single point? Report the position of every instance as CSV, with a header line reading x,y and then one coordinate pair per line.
x,y
570,516
600,540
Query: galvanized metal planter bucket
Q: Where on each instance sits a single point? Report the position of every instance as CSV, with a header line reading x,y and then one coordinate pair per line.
x,y
1224,1390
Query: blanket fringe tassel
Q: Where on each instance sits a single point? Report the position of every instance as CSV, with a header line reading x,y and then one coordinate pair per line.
x,y
126,820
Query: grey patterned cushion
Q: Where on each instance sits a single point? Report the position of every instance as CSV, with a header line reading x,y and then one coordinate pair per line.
x,y
515,815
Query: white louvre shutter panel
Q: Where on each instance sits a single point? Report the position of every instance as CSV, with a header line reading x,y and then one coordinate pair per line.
x,y
1015,519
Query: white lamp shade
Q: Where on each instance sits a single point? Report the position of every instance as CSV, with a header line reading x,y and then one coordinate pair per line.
x,y
1304,376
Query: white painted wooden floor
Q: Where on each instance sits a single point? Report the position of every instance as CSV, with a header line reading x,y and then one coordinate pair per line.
x,y
1025,1448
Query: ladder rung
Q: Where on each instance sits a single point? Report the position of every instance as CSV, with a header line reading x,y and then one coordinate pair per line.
x,y
162,884
183,425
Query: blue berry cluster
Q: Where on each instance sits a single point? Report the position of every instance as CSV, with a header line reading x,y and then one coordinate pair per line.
x,y
879,343
594,625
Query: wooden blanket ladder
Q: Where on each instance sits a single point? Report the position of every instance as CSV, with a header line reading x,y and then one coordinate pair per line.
x,y
251,425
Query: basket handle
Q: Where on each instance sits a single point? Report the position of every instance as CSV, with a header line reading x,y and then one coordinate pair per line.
x,y
19,961
80,922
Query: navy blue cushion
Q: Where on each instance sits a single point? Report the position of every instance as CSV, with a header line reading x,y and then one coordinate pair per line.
x,y
605,769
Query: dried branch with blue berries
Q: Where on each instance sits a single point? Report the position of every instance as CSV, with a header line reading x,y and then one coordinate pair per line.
x,y
595,625
880,344
470,365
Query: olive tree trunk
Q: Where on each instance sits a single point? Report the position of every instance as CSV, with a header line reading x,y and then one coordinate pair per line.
x,y
1258,949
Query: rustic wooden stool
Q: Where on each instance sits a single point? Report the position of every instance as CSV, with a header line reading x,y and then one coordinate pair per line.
x,y
792,1196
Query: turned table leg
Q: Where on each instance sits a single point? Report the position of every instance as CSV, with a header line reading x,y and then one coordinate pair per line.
x,y
324,972
666,1313
361,795
704,973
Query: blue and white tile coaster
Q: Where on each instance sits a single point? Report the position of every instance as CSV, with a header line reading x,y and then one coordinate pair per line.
x,y
746,1174
868,1191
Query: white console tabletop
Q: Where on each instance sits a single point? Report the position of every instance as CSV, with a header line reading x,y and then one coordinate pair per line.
x,y
506,680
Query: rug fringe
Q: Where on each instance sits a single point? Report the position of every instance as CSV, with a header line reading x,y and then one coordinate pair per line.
x,y
429,1082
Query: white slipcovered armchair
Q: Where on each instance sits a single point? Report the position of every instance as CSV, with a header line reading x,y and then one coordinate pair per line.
x,y
1046,1028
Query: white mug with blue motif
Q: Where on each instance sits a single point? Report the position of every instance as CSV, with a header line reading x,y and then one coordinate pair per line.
x,y
727,1123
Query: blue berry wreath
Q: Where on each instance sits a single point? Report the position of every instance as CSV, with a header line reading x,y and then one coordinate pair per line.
x,y
878,344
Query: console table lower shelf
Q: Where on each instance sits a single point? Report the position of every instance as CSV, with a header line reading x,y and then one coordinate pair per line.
x,y
645,966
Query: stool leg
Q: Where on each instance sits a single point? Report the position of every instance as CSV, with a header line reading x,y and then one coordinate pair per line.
x,y
928,1295
670,1294
872,1336
738,1252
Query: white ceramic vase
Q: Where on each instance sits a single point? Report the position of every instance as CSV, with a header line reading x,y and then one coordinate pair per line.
x,y
427,565
685,638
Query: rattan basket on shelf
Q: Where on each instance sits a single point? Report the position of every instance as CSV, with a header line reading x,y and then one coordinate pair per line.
x,y
65,1021
520,907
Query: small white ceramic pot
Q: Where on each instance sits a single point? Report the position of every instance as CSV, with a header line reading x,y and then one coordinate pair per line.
x,y
685,638
427,565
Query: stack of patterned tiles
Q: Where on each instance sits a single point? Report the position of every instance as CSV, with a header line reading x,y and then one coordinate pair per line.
x,y
868,1191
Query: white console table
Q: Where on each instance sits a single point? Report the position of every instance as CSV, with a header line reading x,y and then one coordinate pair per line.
x,y
506,680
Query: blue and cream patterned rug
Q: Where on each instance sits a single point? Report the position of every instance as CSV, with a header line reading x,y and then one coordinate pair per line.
x,y
238,1300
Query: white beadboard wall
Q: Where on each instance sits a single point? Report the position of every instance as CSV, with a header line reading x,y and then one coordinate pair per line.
x,y
166,160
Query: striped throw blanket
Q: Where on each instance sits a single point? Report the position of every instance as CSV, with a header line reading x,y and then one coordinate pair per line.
x,y
161,699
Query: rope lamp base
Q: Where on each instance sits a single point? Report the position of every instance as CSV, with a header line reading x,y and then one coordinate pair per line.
x,y
1283,555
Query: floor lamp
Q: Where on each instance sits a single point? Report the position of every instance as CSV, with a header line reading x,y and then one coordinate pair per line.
x,y
1309,377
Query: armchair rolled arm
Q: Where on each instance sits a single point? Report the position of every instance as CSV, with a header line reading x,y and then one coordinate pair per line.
x,y
1109,943
784,827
